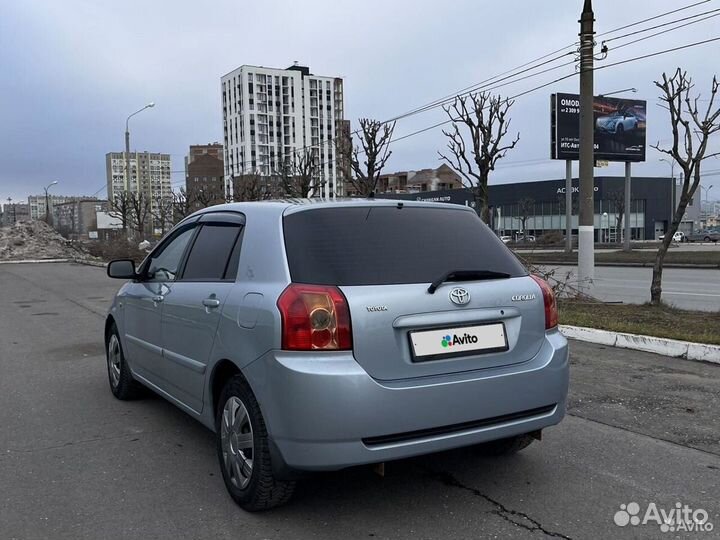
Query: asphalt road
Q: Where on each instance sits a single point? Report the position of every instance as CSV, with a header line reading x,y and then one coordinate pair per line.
x,y
76,463
687,288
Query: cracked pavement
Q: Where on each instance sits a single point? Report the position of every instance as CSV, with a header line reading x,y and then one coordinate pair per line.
x,y
76,463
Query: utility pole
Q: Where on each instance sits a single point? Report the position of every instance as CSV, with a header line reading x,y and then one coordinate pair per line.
x,y
568,206
628,191
586,229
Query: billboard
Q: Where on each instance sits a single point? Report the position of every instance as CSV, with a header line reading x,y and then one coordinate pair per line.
x,y
620,128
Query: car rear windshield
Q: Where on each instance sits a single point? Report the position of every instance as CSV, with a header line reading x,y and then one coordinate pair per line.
x,y
385,244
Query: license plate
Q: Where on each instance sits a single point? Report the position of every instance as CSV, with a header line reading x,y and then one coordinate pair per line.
x,y
434,344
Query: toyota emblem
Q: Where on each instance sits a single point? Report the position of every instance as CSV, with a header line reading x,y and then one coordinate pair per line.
x,y
459,296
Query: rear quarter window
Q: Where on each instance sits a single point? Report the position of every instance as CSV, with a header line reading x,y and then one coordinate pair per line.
x,y
383,245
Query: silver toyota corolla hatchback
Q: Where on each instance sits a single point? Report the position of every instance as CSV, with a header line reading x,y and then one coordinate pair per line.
x,y
318,336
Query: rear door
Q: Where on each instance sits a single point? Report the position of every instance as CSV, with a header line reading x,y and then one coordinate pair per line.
x,y
384,258
193,305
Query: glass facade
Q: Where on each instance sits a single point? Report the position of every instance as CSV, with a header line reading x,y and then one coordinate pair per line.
x,y
542,217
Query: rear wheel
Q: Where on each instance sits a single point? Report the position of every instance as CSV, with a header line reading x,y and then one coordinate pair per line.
x,y
506,447
243,450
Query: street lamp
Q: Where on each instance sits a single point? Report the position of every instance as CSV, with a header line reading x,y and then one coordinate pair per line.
x,y
633,90
671,162
127,143
48,219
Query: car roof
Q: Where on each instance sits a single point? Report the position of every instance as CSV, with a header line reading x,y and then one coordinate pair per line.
x,y
291,206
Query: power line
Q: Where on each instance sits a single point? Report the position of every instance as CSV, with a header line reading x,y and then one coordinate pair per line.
x,y
657,53
661,15
703,42
666,24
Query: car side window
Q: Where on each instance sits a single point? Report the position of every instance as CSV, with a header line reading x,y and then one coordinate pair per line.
x,y
210,252
164,265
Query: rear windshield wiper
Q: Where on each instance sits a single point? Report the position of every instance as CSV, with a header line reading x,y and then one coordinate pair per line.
x,y
466,275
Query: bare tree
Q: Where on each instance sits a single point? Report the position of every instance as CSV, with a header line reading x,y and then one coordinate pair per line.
x,y
255,187
368,159
140,206
208,196
485,118
299,175
162,213
526,208
182,205
689,125
617,200
119,208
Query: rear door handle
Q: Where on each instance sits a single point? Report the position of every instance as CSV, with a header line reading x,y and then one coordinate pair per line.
x,y
211,302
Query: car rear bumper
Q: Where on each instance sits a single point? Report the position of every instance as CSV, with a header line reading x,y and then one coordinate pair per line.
x,y
324,412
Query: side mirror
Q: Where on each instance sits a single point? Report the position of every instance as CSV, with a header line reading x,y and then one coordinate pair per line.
x,y
121,269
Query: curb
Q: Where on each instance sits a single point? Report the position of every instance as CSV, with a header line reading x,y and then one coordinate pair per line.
x,y
703,266
667,347
49,261
34,261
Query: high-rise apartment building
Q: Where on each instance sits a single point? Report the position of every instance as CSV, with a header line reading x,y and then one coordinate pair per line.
x,y
149,174
272,117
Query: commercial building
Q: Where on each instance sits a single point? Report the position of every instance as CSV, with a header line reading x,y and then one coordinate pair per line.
x,y
541,205
78,219
273,116
149,174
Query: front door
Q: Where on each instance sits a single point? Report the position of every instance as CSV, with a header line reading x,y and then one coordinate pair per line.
x,y
144,306
192,309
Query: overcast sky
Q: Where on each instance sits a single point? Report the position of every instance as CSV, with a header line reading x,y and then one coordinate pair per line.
x,y
73,70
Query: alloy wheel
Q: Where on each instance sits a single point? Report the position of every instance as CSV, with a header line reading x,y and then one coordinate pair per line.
x,y
114,360
236,436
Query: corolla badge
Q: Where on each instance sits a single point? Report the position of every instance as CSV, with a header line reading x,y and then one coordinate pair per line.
x,y
523,297
459,296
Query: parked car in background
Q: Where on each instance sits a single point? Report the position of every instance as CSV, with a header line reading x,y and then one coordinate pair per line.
x,y
320,336
677,237
506,239
703,236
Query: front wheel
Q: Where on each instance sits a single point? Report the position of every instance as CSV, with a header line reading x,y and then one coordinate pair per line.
x,y
122,384
243,450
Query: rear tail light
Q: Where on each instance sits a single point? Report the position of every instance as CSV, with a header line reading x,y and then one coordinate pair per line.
x,y
314,317
551,309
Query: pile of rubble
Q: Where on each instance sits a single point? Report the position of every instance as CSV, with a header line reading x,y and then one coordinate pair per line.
x,y
36,240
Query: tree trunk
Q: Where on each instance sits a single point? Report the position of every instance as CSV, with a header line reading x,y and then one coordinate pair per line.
x,y
656,284
484,202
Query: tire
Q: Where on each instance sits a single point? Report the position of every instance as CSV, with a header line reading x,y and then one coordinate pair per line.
x,y
122,384
243,450
706,239
506,447
620,130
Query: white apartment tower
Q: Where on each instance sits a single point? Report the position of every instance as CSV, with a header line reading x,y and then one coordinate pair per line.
x,y
271,115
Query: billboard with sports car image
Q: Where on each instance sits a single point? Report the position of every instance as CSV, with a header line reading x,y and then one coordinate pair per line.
x,y
619,128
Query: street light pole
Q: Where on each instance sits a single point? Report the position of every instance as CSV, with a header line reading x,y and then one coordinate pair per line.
x,y
48,219
127,143
586,197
